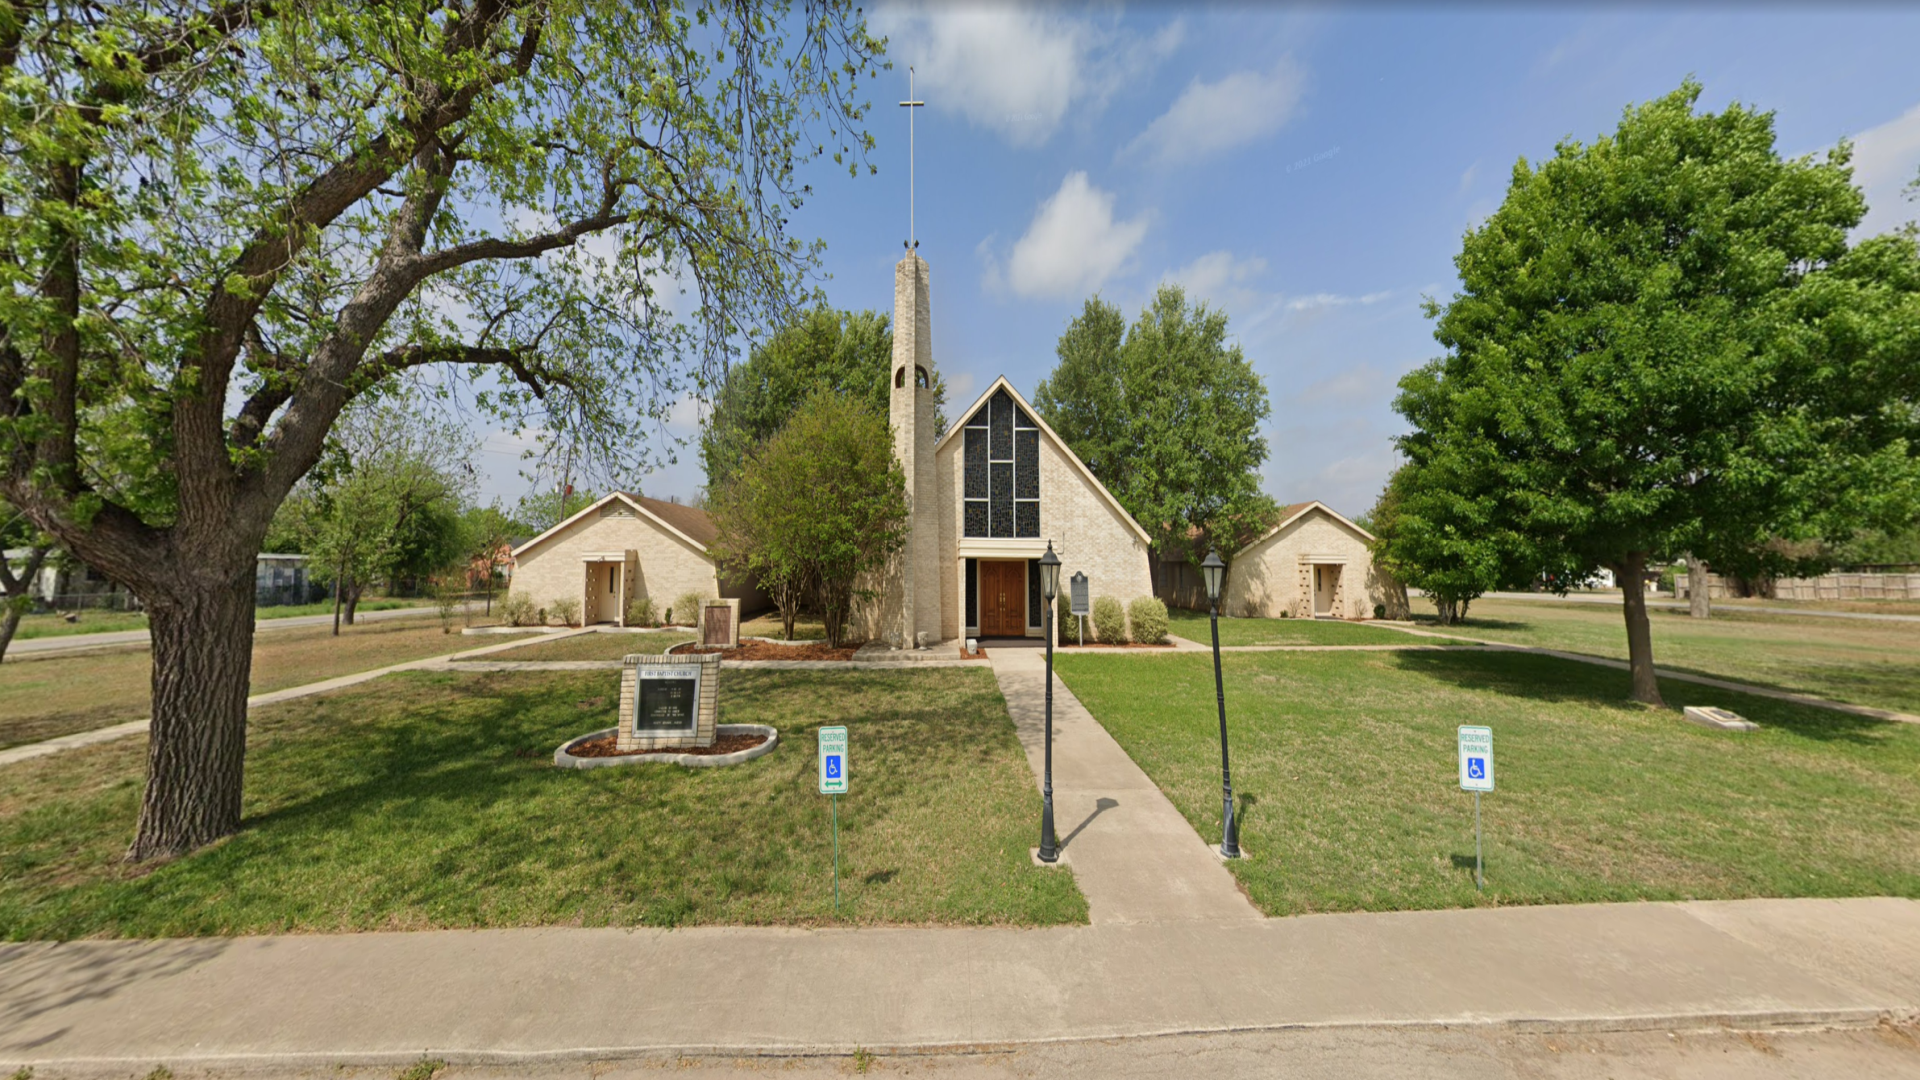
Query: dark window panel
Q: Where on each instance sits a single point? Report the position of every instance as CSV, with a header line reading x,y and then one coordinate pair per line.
x,y
979,417
1026,519
1002,500
1022,420
973,590
1026,464
976,469
977,517
1034,603
1003,411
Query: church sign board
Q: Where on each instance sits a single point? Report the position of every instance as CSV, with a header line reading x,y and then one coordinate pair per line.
x,y
668,701
1077,590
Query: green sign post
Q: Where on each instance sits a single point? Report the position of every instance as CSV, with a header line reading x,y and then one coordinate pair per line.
x,y
833,783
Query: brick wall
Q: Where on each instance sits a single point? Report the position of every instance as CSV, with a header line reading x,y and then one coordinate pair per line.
x,y
668,567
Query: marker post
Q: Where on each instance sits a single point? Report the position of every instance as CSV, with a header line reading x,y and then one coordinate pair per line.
x,y
1476,775
833,783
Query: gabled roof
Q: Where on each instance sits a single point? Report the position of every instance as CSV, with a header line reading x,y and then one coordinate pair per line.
x,y
691,525
1295,512
1059,443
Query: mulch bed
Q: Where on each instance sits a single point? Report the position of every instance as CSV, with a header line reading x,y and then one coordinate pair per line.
x,y
764,650
604,746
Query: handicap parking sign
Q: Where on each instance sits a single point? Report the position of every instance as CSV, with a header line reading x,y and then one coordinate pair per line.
x,y
833,761
1476,758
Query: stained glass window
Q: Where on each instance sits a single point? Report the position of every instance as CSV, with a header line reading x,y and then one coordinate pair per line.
x,y
1001,471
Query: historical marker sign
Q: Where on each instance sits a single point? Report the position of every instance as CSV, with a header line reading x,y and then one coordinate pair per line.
x,y
1476,758
1077,590
833,761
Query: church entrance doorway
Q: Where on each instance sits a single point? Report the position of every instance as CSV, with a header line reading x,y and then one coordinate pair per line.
x,y
1326,581
1003,598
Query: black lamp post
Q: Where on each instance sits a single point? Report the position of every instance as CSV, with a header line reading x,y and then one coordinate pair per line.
x,y
1049,588
1214,570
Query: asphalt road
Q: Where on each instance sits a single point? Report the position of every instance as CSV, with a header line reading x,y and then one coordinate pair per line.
x,y
73,643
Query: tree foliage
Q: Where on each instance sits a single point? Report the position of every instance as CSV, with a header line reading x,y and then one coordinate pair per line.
x,y
1664,342
1167,415
1442,533
816,508
221,221
850,353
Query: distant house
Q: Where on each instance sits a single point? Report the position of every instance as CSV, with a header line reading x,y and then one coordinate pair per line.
x,y
1313,564
66,584
621,550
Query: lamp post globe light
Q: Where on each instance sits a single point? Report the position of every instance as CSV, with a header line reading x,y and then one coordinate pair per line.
x,y
1214,570
1049,588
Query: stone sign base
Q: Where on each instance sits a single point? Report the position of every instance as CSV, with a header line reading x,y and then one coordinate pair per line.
x,y
668,701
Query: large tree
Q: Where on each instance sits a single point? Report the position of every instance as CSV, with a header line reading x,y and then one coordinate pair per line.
x,y
1665,342
847,352
223,220
1167,414
17,579
1438,530
816,509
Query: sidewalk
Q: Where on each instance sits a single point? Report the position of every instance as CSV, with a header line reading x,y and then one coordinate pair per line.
x,y
531,996
1133,855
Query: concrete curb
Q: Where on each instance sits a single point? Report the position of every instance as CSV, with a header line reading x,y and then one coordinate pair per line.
x,y
564,760
1757,1021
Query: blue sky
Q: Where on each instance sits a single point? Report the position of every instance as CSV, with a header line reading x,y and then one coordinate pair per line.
x,y
1311,171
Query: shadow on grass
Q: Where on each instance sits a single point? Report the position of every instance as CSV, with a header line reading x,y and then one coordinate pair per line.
x,y
1469,624
1549,678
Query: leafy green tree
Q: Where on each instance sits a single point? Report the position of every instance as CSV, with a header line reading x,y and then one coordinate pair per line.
x,y
850,353
224,220
820,505
16,579
384,506
1665,342
486,534
539,511
1167,414
1438,531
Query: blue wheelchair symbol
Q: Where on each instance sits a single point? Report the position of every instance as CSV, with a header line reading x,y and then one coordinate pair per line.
x,y
833,766
1476,768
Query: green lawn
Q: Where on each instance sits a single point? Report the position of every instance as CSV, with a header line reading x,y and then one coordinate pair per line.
x,y
596,646
1855,660
430,800
1345,767
1192,625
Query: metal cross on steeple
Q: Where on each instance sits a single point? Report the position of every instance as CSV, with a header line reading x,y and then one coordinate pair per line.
x,y
910,104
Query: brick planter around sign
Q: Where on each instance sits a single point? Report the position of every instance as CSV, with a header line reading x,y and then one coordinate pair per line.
x,y
565,760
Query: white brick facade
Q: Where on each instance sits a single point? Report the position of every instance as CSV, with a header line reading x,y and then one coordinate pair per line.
x,y
1277,572
573,560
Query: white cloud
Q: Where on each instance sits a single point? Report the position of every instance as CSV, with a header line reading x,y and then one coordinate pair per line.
x,y
1319,301
1362,385
1072,246
1222,281
1885,161
1208,118
1016,70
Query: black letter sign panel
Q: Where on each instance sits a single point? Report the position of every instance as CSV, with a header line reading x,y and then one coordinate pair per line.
x,y
1002,471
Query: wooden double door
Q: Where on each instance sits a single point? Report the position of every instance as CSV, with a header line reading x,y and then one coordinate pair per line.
x,y
1003,598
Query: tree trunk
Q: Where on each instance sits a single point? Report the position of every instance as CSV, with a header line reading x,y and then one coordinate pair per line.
x,y
196,754
1443,611
1633,589
1699,605
19,593
353,599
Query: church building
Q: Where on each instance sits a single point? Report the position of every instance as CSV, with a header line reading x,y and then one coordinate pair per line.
x,y
987,498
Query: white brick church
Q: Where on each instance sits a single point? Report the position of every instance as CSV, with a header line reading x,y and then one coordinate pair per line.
x,y
987,499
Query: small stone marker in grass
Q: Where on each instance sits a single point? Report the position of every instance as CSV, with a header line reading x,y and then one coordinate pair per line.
x,y
1712,716
668,701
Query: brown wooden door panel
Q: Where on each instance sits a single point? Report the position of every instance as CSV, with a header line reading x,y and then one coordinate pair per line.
x,y
1003,599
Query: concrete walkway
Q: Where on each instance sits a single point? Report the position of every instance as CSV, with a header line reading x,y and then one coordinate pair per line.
x,y
1133,855
138,727
120,639
533,996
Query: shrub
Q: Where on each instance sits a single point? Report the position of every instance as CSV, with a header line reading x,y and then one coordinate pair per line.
x,y
1379,611
567,610
1063,618
641,613
1109,621
688,608
517,609
1148,614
